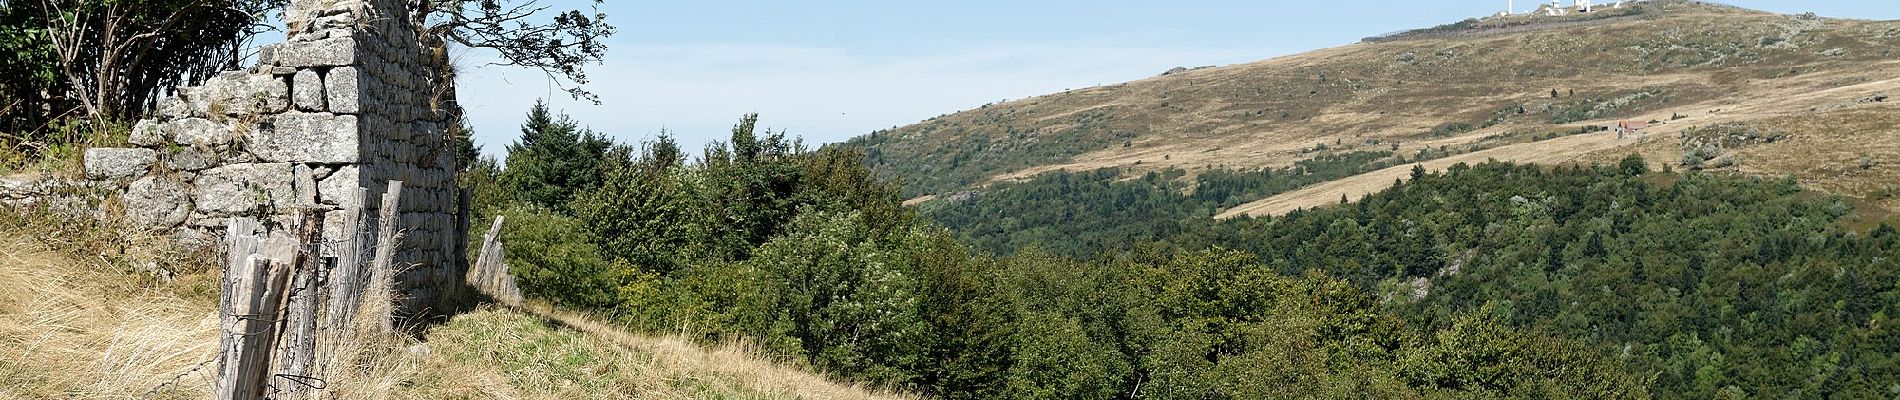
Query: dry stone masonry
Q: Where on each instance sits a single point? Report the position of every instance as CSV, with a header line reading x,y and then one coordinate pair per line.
x,y
340,109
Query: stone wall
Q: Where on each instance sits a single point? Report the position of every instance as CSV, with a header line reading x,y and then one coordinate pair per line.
x,y
341,108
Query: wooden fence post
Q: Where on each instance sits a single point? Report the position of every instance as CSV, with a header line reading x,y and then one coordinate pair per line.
x,y
346,279
381,283
257,290
464,215
490,273
300,319
241,243
277,292
345,283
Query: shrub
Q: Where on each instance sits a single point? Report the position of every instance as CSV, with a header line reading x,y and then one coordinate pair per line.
x,y
1694,156
550,254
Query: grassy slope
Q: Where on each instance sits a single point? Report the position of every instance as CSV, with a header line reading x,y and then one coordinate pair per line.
x,y
75,329
1706,64
510,354
78,328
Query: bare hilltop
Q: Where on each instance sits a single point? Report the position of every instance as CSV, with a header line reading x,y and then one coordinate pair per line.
x,y
1687,84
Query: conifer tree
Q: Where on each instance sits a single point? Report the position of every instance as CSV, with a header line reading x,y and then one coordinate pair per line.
x,y
554,159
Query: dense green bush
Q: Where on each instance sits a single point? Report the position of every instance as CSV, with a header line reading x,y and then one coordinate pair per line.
x,y
549,254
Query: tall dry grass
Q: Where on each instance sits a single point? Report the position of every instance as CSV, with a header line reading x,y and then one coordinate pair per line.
x,y
82,316
739,362
85,329
542,353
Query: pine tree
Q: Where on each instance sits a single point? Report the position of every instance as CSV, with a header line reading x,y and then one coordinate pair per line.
x,y
554,159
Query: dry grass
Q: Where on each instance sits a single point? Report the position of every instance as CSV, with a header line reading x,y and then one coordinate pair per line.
x,y
78,329
76,322
1823,150
738,362
500,353
1559,150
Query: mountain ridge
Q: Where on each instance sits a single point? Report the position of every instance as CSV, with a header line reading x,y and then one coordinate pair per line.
x,y
1688,65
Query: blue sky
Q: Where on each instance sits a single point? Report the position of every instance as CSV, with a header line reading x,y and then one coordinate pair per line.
x,y
831,70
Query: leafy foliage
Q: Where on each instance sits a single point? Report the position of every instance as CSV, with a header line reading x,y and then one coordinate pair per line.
x,y
112,59
561,45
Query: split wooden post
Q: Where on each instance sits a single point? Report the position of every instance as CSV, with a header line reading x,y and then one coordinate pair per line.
x,y
382,270
346,277
253,295
464,214
345,283
300,321
490,273
241,243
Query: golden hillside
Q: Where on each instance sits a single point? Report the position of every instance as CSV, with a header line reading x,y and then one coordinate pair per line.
x,y
1812,89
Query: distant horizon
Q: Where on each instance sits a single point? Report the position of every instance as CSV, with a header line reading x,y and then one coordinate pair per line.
x,y
834,70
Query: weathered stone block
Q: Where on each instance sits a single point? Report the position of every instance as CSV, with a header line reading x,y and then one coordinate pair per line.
x,y
238,188
157,202
196,102
191,158
341,87
302,11
228,94
305,184
199,131
108,163
270,93
174,107
340,187
341,21
148,133
267,54
329,52
307,138
307,90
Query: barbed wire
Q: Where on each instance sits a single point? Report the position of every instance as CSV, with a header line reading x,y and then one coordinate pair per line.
x,y
174,380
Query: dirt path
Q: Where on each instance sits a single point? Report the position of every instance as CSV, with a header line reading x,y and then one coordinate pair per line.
x,y
1559,150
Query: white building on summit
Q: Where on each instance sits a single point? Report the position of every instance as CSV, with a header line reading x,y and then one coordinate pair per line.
x,y
1556,7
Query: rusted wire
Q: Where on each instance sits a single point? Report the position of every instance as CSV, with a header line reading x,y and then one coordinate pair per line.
x,y
174,380
306,380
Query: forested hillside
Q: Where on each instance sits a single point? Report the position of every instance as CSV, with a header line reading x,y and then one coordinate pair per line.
x,y
804,253
1710,285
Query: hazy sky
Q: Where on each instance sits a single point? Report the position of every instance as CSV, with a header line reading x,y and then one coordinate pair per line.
x,y
831,70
